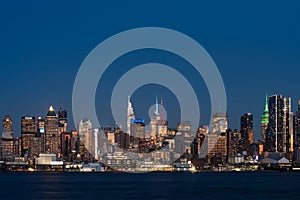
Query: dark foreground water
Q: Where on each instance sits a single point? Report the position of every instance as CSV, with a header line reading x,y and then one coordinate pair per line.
x,y
150,186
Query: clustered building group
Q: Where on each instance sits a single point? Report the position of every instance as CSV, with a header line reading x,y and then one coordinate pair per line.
x,y
158,146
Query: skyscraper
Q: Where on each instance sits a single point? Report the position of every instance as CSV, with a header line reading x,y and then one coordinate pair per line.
x,y
62,121
7,128
247,134
85,132
27,132
233,139
40,127
288,129
155,122
138,128
62,127
220,123
200,136
217,138
51,132
40,133
280,129
7,141
265,121
297,126
130,115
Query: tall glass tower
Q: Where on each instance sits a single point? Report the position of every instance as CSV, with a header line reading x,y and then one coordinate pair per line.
x,y
280,129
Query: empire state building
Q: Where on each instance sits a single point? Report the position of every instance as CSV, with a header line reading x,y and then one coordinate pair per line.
x,y
130,115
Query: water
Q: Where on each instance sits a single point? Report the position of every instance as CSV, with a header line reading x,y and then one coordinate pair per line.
x,y
244,186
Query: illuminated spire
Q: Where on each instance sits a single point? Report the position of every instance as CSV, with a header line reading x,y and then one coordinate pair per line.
x,y
51,112
267,104
156,107
265,116
130,114
51,109
161,110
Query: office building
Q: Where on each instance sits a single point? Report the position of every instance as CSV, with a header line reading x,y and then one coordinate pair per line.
x,y
7,131
280,137
297,126
51,132
247,134
28,132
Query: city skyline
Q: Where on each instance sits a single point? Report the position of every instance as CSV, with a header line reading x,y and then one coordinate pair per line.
x,y
257,134
46,144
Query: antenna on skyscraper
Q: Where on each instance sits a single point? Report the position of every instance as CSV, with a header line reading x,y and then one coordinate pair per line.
x,y
156,107
161,109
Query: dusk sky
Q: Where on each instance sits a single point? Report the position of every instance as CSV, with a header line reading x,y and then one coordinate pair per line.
x,y
255,44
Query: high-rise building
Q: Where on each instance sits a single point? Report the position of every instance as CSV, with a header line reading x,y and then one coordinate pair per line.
x,y
219,122
247,134
40,127
130,115
233,142
219,146
27,132
265,121
157,126
35,147
62,121
40,133
51,132
75,142
184,138
7,128
62,126
66,144
138,128
280,129
297,126
7,142
217,138
288,129
85,132
200,141
122,139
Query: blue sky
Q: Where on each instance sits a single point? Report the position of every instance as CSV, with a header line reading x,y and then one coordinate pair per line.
x,y
255,45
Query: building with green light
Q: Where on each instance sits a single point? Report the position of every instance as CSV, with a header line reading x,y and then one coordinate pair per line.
x,y
265,121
